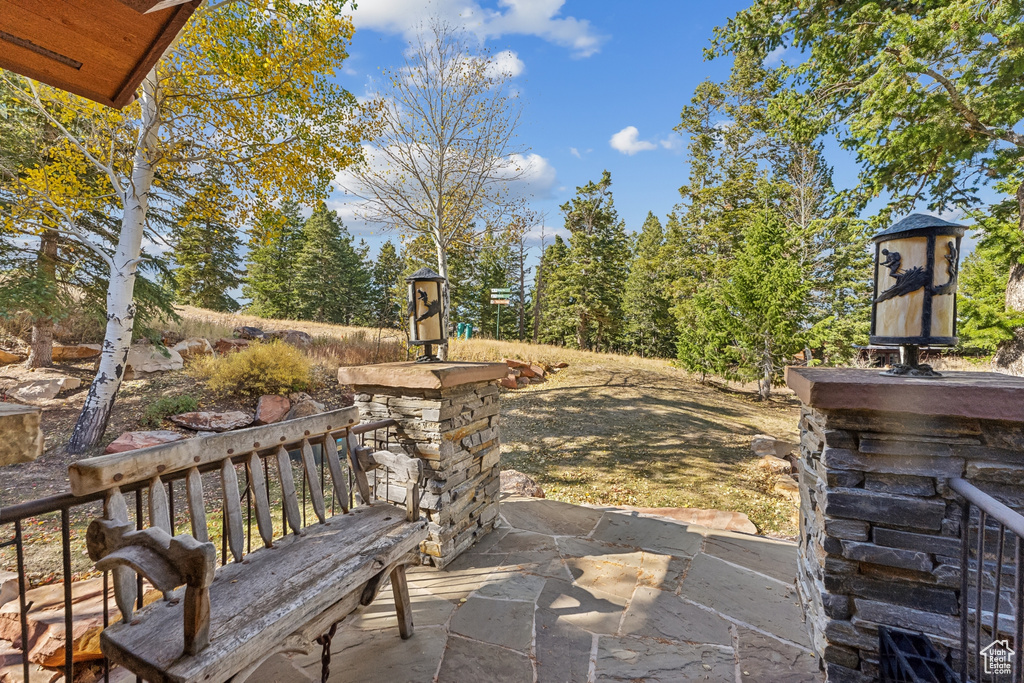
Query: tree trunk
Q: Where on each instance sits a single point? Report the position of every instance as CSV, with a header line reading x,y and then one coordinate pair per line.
x,y
442,270
92,421
41,352
538,295
1010,356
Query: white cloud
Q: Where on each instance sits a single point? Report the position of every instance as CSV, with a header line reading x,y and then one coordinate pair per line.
x,y
673,141
541,18
536,176
774,58
575,152
504,63
628,141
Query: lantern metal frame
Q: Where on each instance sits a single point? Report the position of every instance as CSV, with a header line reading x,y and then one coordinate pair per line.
x,y
425,275
918,225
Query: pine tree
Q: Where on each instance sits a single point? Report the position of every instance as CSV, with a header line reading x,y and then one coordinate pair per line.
x,y
984,321
597,264
387,288
205,248
557,325
766,295
273,249
495,270
331,282
648,327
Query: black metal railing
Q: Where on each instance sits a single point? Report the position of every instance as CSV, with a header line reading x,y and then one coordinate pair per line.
x,y
74,514
991,588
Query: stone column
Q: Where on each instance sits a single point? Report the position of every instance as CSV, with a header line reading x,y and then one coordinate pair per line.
x,y
21,439
448,415
879,526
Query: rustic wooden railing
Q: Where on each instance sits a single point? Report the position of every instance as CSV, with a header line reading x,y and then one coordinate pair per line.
x,y
148,500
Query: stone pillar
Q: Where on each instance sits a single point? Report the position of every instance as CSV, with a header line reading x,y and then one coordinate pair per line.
x,y
879,526
448,415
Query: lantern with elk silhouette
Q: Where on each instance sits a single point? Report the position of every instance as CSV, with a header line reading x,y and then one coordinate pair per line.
x,y
425,303
914,303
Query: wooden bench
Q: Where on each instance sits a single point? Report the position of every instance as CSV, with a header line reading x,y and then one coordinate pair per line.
x,y
280,597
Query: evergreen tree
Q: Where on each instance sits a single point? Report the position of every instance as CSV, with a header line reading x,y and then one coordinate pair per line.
x,y
556,303
387,289
595,269
274,247
331,282
766,295
648,328
205,248
984,321
495,270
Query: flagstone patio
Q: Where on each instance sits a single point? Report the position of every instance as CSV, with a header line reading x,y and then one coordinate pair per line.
x,y
568,593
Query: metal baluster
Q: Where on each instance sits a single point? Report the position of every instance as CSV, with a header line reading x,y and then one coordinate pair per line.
x,y
69,643
106,622
138,526
999,581
977,604
19,548
965,559
1018,643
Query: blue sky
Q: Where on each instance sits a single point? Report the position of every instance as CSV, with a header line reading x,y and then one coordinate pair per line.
x,y
588,72
602,85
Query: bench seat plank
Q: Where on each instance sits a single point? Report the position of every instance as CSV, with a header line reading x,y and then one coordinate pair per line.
x,y
273,594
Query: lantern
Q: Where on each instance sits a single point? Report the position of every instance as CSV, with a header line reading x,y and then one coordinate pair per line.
x,y
425,307
914,304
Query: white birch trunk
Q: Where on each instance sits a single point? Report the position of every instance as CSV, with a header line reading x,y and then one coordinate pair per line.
x,y
92,421
442,270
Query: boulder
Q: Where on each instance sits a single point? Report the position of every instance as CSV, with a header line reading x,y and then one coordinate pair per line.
x,y
296,338
537,380
764,444
62,353
6,357
537,370
8,587
271,409
522,382
509,382
787,488
299,397
145,359
512,363
193,347
43,389
517,483
46,632
526,372
247,332
23,439
203,421
305,409
170,337
131,441
223,346
774,465
560,366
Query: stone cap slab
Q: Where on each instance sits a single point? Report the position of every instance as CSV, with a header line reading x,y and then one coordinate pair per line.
x,y
985,395
412,375
21,439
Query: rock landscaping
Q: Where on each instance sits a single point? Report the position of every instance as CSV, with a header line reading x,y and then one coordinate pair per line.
x,y
524,373
130,441
205,421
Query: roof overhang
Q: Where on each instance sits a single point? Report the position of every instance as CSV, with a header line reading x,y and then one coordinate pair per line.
x,y
99,49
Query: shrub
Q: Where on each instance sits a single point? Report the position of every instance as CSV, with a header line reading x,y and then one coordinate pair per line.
x,y
271,368
166,406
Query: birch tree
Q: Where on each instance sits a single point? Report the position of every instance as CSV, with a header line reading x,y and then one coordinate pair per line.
x,y
445,147
248,87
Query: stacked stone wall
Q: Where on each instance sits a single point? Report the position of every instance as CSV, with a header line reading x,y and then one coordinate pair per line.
x,y
456,432
880,527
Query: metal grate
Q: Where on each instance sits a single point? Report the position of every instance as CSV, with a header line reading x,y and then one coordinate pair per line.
x,y
910,658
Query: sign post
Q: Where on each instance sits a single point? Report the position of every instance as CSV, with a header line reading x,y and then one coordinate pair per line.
x,y
500,297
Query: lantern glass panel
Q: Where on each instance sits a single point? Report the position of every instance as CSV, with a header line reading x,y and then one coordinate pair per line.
x,y
425,323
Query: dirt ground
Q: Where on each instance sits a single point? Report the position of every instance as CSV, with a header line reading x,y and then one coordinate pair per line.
x,y
646,434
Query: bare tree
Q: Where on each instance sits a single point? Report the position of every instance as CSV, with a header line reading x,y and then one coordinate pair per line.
x,y
444,150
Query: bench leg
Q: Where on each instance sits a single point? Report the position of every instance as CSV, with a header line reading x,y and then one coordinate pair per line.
x,y
402,604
